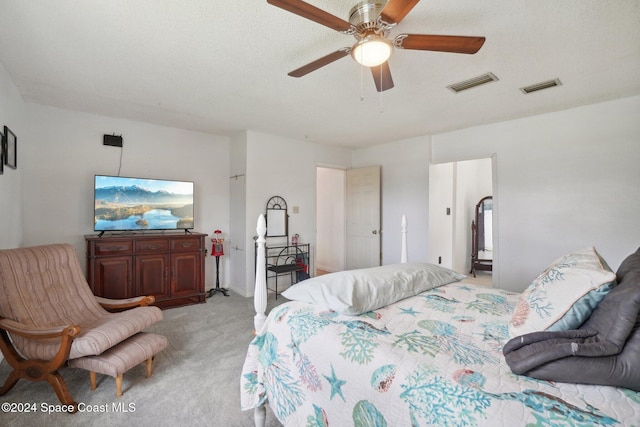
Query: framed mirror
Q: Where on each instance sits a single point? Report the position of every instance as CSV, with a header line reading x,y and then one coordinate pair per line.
x,y
481,236
277,218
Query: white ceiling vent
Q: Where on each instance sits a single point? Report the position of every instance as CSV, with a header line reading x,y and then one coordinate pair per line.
x,y
539,86
474,82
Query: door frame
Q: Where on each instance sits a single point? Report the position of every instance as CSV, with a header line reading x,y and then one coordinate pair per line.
x,y
340,240
458,224
325,240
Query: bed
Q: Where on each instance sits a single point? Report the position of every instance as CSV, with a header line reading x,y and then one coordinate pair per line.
x,y
417,345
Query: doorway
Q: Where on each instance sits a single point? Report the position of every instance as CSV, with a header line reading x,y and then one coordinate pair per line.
x,y
347,218
454,190
330,220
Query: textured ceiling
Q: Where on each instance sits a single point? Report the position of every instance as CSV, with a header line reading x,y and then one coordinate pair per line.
x,y
221,66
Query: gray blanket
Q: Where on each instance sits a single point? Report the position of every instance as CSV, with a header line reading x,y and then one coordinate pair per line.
x,y
605,350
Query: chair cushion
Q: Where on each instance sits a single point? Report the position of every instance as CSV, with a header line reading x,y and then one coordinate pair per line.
x,y
44,286
96,335
124,356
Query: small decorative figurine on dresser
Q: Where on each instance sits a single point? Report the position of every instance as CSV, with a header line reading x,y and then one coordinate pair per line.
x,y
217,250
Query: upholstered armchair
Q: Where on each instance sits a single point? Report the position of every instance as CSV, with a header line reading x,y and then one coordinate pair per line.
x,y
48,315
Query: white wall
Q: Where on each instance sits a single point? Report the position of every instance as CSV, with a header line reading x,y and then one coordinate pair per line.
x,y
441,196
565,180
405,190
12,115
65,151
278,166
238,243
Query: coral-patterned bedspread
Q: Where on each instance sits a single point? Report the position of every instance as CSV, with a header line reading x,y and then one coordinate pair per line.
x,y
432,359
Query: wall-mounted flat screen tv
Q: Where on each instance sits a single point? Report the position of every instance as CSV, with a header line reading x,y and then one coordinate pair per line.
x,y
126,204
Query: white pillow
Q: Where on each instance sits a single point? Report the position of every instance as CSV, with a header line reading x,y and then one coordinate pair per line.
x,y
354,292
564,295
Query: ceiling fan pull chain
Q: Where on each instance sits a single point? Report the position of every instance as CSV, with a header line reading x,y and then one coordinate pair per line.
x,y
381,108
361,83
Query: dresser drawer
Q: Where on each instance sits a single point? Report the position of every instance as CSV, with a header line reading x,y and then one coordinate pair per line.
x,y
152,245
114,247
186,244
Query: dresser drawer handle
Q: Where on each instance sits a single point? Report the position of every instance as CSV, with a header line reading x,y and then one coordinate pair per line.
x,y
151,247
186,244
115,248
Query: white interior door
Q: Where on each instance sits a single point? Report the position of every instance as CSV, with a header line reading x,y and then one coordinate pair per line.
x,y
363,217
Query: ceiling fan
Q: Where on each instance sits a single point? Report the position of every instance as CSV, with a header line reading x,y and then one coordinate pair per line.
x,y
370,22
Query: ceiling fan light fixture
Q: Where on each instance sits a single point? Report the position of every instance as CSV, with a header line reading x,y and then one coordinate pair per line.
x,y
372,50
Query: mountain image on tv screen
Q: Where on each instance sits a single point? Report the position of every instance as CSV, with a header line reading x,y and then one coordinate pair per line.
x,y
123,203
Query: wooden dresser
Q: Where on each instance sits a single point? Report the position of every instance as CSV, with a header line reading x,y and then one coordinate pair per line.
x,y
168,266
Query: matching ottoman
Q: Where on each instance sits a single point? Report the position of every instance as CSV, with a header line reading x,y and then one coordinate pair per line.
x,y
124,356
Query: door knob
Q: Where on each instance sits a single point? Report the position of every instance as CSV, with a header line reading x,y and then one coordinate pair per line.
x,y
375,232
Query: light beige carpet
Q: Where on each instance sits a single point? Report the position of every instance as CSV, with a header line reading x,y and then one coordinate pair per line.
x,y
195,381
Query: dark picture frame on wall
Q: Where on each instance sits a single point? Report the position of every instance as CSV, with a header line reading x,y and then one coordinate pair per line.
x,y
10,148
1,153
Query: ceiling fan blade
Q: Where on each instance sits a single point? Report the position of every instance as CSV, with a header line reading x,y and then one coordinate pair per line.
x,y
454,44
382,76
313,13
318,63
396,10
